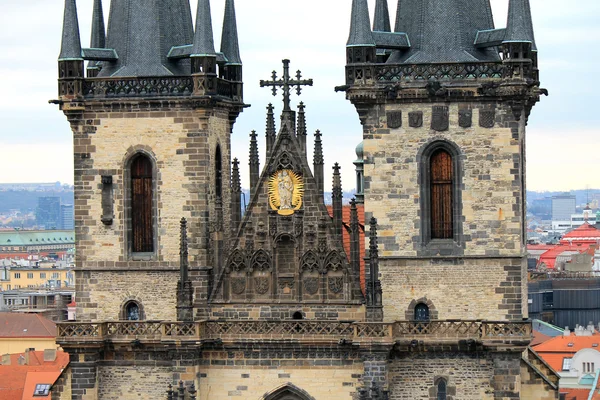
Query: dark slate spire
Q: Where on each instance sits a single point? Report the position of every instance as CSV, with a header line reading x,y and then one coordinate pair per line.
x,y
519,27
360,25
337,196
98,39
318,163
254,163
229,39
381,23
143,32
203,37
70,48
301,129
271,132
456,21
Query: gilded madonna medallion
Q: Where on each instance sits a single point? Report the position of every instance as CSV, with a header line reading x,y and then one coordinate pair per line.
x,y
286,189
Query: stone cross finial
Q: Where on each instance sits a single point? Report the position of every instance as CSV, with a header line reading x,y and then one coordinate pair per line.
x,y
286,83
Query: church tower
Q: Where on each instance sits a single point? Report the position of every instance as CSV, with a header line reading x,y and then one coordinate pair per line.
x,y
151,126
444,102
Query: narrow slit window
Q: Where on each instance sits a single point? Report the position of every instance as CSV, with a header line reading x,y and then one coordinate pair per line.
x,y
142,231
441,390
442,202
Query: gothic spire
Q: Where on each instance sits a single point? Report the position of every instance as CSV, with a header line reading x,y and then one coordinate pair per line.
x,y
301,129
254,163
381,23
70,48
271,133
143,32
98,38
360,25
318,163
425,21
183,251
519,26
236,193
337,201
229,39
203,37
354,240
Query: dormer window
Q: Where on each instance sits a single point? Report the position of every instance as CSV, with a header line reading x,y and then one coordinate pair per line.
x,y
41,389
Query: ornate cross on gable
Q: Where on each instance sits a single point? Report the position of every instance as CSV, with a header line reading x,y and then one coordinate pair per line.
x,y
286,83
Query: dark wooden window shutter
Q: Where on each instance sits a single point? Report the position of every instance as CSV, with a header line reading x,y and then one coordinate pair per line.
x,y
141,205
441,195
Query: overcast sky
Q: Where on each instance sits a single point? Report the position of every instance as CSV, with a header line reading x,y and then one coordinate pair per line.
x,y
563,140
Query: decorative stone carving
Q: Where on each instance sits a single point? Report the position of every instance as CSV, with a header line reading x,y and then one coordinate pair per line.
x,y
415,119
334,261
286,284
394,119
487,118
311,285
336,284
238,285
310,262
465,118
261,261
440,118
261,284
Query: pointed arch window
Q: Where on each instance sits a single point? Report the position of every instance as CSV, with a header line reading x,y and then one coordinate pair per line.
x,y
442,389
218,173
442,224
440,182
422,313
142,229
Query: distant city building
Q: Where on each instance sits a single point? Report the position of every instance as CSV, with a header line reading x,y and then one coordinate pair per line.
x,y
542,208
21,244
67,221
48,212
563,206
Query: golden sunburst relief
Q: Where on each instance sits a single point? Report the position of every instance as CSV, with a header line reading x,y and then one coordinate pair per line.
x,y
286,189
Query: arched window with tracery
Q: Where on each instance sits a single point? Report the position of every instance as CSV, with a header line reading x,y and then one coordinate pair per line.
x,y
132,311
142,227
218,173
442,224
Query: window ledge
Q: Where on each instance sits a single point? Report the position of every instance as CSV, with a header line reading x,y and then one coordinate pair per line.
x,y
150,256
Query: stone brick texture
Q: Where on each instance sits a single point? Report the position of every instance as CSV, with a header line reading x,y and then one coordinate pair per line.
x,y
126,383
488,281
181,137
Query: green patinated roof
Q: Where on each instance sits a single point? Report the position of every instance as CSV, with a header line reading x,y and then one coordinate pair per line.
x,y
33,238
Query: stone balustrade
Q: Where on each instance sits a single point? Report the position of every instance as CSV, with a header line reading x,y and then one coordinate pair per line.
x,y
316,331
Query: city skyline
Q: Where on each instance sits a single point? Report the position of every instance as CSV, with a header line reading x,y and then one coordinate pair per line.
x,y
561,128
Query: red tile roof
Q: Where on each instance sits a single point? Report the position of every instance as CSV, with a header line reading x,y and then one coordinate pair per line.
x,y
585,233
26,326
346,236
575,394
549,257
554,351
16,382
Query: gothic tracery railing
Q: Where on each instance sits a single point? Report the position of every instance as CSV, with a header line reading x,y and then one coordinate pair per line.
x,y
283,330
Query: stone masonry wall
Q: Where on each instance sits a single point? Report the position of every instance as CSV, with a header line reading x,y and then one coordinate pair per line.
x,y
488,289
320,382
491,191
127,383
413,376
102,295
181,137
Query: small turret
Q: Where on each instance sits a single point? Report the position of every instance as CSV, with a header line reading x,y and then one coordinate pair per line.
x,y
318,162
360,47
254,163
70,60
230,44
519,48
204,57
98,39
381,23
337,196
